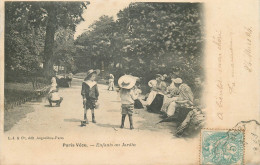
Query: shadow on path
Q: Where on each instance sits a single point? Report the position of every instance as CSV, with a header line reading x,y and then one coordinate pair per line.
x,y
72,120
114,110
108,125
150,121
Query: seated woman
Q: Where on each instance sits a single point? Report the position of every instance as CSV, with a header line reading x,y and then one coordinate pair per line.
x,y
137,91
184,98
198,91
153,92
193,122
160,90
195,119
53,96
172,94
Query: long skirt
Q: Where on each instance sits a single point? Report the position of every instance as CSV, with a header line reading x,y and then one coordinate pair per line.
x,y
181,113
151,97
156,105
166,103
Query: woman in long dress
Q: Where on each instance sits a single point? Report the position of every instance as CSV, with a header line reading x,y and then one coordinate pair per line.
x,y
157,102
184,98
172,94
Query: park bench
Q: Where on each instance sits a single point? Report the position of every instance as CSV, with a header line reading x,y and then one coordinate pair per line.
x,y
33,95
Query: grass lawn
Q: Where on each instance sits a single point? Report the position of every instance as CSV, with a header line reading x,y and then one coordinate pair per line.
x,y
15,95
14,115
19,86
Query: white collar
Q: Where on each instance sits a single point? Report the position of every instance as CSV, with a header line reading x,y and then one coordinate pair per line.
x,y
90,83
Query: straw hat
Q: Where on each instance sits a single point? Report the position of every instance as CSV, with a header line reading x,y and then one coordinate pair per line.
x,y
91,71
158,75
152,83
126,81
177,81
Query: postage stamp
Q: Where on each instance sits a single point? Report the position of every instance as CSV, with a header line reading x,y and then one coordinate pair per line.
x,y
224,147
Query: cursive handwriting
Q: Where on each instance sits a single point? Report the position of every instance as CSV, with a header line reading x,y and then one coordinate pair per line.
x,y
217,40
232,84
220,96
248,49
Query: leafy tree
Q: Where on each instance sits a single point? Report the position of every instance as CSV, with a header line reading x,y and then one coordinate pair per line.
x,y
23,18
65,49
97,42
149,38
65,14
23,44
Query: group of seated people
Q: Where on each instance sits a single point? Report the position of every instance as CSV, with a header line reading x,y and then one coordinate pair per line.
x,y
64,80
176,100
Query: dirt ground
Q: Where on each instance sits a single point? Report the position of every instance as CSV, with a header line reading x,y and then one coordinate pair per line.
x,y
71,113
157,140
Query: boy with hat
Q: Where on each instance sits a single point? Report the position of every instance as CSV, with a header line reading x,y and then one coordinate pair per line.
x,y
90,95
127,95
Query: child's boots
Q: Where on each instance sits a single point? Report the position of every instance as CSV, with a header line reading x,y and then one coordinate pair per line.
x,y
85,118
122,121
83,123
93,118
131,121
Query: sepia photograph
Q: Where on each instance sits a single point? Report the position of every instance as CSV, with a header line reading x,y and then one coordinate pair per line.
x,y
142,65
129,82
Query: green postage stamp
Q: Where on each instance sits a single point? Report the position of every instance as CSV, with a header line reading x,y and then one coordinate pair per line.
x,y
225,147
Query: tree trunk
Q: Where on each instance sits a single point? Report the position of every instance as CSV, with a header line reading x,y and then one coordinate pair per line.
x,y
49,40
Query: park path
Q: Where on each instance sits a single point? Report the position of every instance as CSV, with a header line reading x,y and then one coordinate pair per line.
x,y
70,113
64,122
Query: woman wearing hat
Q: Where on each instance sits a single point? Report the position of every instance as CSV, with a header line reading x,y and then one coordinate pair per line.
x,y
172,95
153,92
157,102
127,95
90,94
184,99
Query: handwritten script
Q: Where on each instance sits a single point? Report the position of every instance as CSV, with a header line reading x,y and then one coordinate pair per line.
x,y
232,83
217,40
248,49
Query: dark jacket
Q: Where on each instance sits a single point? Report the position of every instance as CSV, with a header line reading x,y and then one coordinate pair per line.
x,y
89,93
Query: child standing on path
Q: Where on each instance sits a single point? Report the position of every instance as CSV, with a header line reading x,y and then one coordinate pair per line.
x,y
127,95
90,95
111,82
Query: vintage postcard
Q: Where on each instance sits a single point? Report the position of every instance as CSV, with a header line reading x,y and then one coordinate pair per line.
x,y
142,82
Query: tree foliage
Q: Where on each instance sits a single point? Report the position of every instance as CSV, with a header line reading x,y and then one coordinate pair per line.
x,y
30,29
24,42
149,38
97,42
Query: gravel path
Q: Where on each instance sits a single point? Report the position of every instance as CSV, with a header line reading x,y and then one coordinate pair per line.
x,y
64,122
